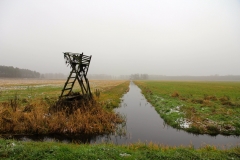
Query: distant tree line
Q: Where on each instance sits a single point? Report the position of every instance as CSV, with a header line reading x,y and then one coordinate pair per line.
x,y
11,72
139,76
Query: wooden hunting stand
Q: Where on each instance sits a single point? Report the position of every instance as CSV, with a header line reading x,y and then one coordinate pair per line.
x,y
79,64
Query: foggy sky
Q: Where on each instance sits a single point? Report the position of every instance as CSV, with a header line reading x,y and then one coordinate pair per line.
x,y
170,37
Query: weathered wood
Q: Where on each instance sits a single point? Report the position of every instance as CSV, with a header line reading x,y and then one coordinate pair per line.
x,y
80,65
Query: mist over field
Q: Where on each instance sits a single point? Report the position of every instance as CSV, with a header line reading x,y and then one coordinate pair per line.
x,y
135,79
170,38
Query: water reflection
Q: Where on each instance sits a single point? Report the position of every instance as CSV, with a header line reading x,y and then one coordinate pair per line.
x,y
83,138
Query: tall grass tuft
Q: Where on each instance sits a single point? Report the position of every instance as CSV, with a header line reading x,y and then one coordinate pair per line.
x,y
175,94
86,118
97,93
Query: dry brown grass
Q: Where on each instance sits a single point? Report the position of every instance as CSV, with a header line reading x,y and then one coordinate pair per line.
x,y
14,84
89,118
104,85
207,97
207,103
4,82
175,94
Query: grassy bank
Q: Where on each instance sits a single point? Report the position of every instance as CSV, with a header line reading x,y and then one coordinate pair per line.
x,y
24,109
10,149
110,97
197,107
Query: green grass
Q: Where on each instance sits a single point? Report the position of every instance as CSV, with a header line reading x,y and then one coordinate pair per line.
x,y
208,107
26,94
31,92
111,98
11,149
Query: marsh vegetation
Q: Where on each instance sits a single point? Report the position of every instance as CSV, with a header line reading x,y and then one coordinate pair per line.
x,y
25,109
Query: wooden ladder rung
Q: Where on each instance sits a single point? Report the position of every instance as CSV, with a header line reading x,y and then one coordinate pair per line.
x,y
70,82
67,89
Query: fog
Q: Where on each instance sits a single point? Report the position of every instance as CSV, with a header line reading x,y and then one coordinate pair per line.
x,y
157,37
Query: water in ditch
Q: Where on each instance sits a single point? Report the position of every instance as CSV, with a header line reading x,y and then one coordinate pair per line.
x,y
143,124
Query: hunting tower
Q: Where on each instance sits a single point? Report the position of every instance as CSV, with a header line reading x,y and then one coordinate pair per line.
x,y
79,64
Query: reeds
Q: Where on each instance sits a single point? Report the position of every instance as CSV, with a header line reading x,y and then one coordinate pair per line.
x,y
89,118
97,93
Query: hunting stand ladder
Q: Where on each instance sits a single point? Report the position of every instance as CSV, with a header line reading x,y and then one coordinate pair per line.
x,y
79,64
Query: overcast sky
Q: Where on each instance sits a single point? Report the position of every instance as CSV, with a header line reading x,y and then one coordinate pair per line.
x,y
164,37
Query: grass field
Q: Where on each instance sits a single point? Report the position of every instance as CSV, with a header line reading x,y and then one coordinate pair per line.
x,y
40,94
10,149
24,108
40,88
197,107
